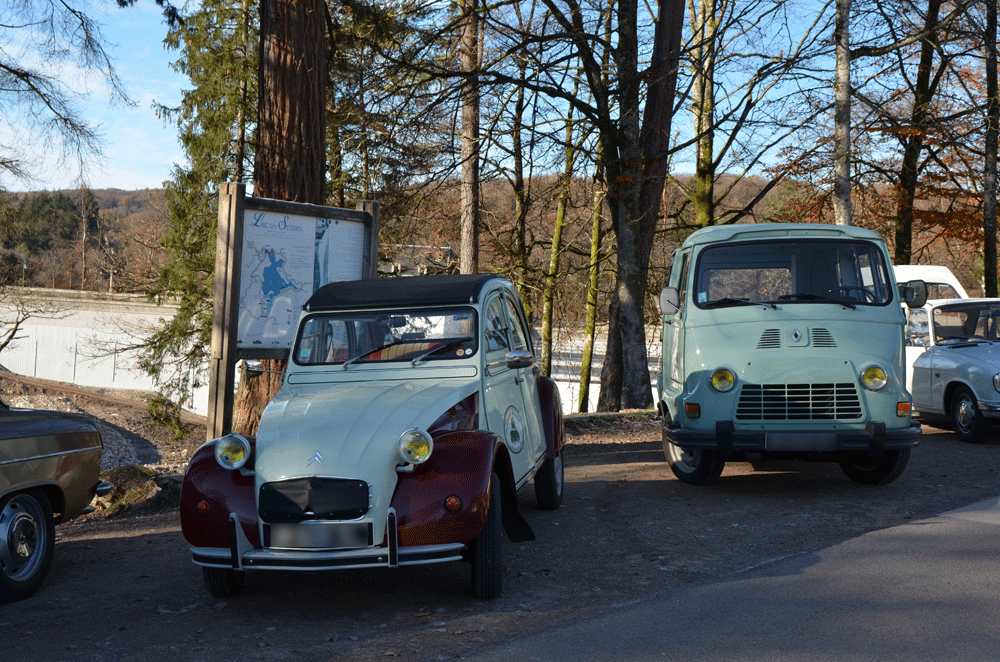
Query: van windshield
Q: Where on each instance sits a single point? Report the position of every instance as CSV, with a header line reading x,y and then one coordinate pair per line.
x,y
844,272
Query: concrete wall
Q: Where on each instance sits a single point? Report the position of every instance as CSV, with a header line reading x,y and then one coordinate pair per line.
x,y
84,337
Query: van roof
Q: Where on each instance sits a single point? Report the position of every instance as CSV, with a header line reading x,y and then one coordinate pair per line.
x,y
758,231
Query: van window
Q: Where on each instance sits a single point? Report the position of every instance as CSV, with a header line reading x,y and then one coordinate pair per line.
x,y
792,271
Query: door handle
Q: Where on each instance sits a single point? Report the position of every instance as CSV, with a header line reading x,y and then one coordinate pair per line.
x,y
518,380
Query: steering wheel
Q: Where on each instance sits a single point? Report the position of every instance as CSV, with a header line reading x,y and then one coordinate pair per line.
x,y
866,294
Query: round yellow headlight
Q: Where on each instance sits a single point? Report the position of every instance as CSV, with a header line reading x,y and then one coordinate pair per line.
x,y
723,380
415,446
232,451
873,377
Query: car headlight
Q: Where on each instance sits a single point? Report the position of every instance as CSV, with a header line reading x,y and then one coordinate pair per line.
x,y
723,380
996,381
874,377
415,446
232,451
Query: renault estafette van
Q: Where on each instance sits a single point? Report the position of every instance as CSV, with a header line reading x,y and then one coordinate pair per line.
x,y
785,341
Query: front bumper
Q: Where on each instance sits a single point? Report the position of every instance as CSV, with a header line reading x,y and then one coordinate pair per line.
x,y
242,554
875,438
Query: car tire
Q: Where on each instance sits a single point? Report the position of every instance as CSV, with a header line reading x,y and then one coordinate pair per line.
x,y
487,550
223,582
968,422
881,470
697,467
27,541
549,483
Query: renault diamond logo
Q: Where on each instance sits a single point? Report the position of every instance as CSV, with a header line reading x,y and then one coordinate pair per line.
x,y
317,457
796,335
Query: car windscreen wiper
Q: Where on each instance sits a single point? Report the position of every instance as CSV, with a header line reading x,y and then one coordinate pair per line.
x,y
803,296
964,341
726,302
370,352
438,348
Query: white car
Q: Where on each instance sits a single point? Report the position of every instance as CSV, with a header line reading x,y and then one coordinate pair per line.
x,y
411,413
958,374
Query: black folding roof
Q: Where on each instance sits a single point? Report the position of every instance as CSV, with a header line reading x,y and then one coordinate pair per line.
x,y
399,291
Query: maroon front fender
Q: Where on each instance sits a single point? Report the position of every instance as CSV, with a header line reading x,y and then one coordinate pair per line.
x,y
225,492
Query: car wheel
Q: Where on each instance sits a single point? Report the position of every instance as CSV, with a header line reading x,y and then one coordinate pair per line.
x,y
223,582
969,423
549,483
698,467
27,540
880,470
487,550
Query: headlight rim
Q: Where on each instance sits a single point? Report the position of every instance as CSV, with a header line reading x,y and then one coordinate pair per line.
x,y
424,436
876,383
728,387
239,464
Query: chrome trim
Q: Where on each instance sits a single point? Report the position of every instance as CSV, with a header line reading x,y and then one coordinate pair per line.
x,y
88,449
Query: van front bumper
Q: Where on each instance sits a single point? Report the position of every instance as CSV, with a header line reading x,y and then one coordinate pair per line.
x,y
875,438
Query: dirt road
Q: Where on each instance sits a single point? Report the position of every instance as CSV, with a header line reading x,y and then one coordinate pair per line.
x,y
125,588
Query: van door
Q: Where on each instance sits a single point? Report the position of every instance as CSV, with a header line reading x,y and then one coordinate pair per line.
x,y
673,325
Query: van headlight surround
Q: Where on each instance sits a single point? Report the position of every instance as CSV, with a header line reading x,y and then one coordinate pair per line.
x,y
723,380
415,446
874,377
232,451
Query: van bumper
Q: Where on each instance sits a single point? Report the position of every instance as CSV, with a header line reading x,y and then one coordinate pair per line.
x,y
875,438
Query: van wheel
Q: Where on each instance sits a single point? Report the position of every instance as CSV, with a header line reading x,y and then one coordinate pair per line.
x,y
697,467
487,550
969,423
876,470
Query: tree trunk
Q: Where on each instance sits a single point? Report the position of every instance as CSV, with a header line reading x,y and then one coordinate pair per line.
x,y
990,175
469,55
586,360
842,116
704,25
291,140
909,171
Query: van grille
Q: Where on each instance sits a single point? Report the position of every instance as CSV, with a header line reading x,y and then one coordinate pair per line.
x,y
771,339
788,402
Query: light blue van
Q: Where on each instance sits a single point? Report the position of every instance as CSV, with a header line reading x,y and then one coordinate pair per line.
x,y
785,341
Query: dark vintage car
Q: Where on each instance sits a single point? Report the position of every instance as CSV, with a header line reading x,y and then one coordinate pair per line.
x,y
49,465
411,414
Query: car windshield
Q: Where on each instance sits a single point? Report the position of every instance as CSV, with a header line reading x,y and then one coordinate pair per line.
x,y
794,271
967,322
416,335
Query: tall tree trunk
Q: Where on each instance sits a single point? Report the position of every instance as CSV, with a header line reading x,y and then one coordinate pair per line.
x,y
469,55
593,281
842,116
626,327
704,28
291,140
990,176
909,171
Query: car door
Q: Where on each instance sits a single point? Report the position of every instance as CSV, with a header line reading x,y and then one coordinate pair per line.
x,y
503,392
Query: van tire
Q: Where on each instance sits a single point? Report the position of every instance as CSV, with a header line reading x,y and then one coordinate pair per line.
x,y
880,470
697,467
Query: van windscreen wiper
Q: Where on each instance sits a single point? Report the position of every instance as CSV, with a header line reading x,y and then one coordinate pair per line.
x,y
803,296
726,302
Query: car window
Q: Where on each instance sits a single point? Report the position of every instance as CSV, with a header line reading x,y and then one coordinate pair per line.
x,y
517,332
387,336
495,329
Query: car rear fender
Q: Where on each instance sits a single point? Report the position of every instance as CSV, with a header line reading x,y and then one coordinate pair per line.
x,y
552,416
225,492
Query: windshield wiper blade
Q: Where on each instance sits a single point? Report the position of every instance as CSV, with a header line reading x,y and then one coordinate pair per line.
x,y
438,348
804,296
370,352
733,301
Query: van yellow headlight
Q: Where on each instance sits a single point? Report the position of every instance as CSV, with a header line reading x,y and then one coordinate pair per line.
x,y
232,451
415,446
874,377
723,380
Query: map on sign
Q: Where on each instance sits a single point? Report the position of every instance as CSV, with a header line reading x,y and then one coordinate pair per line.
x,y
286,257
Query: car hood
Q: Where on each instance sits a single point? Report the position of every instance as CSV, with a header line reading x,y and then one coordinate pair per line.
x,y
984,353
353,426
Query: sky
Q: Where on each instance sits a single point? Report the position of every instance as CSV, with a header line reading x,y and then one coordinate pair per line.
x,y
140,150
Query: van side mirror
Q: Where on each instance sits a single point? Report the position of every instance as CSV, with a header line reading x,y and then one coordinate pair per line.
x,y
914,293
669,301
253,368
